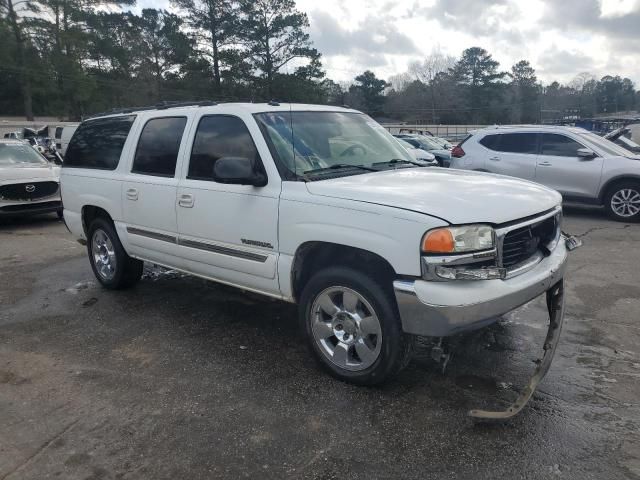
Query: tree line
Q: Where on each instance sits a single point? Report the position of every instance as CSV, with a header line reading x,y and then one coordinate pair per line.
x,y
72,58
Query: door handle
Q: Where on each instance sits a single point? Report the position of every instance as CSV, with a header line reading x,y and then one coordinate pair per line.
x,y
494,159
132,194
545,164
186,201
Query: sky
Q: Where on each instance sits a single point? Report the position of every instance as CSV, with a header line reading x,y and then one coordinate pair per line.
x,y
560,38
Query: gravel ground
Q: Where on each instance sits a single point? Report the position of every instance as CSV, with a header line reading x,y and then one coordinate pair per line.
x,y
181,378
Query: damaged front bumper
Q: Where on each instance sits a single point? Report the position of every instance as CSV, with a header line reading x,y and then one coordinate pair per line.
x,y
440,309
555,307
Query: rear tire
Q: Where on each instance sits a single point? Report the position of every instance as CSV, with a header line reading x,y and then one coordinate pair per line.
x,y
111,265
352,326
622,201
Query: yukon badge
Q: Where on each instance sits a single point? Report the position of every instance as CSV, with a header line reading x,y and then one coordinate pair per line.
x,y
256,243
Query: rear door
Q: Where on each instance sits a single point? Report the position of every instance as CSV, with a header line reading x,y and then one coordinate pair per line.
x,y
512,154
150,188
559,167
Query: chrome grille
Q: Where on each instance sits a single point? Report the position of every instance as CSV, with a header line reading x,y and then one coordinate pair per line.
x,y
28,191
521,243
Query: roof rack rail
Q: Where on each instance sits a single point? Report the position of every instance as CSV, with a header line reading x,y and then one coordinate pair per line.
x,y
159,106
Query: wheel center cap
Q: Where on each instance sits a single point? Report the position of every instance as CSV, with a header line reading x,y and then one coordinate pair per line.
x,y
345,326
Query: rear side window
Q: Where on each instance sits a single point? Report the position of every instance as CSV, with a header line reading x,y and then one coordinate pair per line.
x,y
98,143
490,141
517,143
559,145
219,136
158,147
58,133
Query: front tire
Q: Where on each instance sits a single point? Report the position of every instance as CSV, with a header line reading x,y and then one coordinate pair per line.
x,y
352,326
111,265
623,201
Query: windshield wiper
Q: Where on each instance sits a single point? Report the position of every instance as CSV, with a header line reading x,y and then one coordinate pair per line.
x,y
395,161
339,166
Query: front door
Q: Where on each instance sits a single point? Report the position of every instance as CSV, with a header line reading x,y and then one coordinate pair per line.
x,y
560,167
227,232
149,192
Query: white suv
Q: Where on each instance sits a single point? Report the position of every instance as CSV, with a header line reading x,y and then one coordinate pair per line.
x,y
320,206
582,166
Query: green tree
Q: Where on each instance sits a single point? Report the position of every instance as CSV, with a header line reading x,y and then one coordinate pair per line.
x,y
162,45
477,73
524,93
20,44
274,34
213,27
369,91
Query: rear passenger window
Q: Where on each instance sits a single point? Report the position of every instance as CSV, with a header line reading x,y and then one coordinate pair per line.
x,y
98,143
158,147
490,141
219,136
559,145
517,143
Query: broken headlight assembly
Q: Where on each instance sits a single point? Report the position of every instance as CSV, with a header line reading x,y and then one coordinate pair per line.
x,y
466,252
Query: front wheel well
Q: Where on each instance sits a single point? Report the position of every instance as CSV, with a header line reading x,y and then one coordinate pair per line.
x,y
312,257
90,213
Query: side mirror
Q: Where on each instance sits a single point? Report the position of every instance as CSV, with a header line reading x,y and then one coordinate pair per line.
x,y
239,171
586,154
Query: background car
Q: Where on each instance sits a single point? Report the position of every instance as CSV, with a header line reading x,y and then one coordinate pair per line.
x,y
581,165
619,137
442,155
418,154
29,184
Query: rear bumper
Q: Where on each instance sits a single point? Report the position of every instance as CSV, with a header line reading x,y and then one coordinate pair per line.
x,y
441,309
30,208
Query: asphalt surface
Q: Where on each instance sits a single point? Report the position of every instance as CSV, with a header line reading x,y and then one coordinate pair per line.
x,y
180,378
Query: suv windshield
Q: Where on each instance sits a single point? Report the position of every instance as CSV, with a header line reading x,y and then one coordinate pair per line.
x,y
314,143
19,154
607,146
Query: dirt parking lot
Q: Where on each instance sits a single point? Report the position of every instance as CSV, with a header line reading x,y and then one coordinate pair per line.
x,y
180,378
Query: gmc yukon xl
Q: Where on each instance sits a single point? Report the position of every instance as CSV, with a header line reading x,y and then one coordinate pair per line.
x,y
319,206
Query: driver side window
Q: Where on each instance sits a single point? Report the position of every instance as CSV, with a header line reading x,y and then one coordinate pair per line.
x,y
219,136
556,145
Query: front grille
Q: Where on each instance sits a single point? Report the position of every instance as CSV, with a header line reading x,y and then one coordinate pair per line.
x,y
28,191
520,244
26,207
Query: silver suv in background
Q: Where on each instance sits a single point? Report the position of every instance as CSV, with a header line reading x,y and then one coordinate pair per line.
x,y
582,166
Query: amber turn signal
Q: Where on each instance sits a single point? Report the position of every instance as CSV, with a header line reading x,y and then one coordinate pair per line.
x,y
439,240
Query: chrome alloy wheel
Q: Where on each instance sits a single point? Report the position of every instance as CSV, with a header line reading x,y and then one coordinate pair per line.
x,y
626,202
346,328
104,255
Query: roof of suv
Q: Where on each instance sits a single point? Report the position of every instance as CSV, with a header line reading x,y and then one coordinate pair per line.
x,y
525,128
212,107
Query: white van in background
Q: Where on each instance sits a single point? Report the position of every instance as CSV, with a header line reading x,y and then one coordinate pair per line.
x,y
65,136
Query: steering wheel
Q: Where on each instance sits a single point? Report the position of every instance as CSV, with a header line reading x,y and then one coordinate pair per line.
x,y
351,151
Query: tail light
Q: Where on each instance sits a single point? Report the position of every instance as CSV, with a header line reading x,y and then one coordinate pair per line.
x,y
457,152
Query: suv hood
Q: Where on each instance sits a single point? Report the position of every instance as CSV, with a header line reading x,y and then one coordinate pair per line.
x,y
27,172
457,196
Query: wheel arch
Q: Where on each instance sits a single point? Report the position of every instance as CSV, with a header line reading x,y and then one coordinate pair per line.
x,y
613,181
90,213
313,256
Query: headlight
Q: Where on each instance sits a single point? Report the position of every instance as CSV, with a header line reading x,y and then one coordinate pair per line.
x,y
468,238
